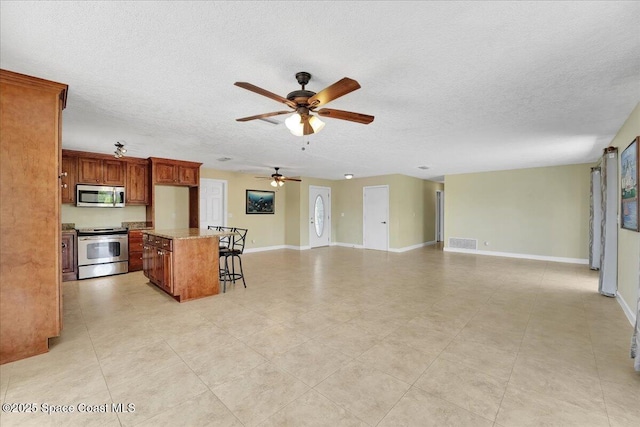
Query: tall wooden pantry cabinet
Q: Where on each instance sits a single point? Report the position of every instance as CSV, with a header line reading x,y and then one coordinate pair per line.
x,y
30,235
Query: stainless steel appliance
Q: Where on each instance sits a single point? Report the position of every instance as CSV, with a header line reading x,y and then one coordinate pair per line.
x,y
102,252
97,196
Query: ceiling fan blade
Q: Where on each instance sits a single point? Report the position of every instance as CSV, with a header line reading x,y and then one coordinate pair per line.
x,y
345,115
292,179
260,91
336,90
262,116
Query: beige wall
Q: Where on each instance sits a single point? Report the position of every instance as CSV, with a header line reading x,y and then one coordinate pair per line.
x,y
537,211
171,207
411,210
292,214
628,241
264,230
102,217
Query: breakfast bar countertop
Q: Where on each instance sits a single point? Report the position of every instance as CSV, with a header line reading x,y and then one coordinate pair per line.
x,y
186,233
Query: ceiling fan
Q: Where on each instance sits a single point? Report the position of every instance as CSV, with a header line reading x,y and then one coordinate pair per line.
x,y
303,102
278,180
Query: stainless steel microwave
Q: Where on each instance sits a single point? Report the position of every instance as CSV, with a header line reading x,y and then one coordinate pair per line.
x,y
97,196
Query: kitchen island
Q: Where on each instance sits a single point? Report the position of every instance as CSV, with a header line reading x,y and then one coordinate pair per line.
x,y
182,262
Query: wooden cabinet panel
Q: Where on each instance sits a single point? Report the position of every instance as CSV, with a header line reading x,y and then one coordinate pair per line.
x,y
136,250
30,266
165,173
188,175
113,172
100,171
69,256
89,171
167,271
137,186
147,254
69,175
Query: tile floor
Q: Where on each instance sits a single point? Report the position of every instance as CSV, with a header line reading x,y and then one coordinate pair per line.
x,y
341,337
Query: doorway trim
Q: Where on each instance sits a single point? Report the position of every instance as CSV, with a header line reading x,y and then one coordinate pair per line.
x,y
439,216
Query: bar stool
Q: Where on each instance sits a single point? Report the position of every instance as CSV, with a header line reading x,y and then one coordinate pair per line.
x,y
228,272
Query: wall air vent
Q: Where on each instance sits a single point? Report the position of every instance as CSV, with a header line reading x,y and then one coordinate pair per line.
x,y
459,243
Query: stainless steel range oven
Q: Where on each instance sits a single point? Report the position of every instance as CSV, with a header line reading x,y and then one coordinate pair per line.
x,y
102,252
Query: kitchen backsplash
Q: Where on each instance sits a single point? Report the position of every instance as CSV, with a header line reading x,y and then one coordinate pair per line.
x,y
136,225
102,217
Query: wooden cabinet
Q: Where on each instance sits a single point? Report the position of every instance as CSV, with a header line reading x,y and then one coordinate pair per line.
x,y
136,249
185,268
100,171
175,172
158,261
68,178
137,186
69,256
30,264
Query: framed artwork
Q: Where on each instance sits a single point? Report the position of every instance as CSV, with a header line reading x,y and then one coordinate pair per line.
x,y
260,202
629,184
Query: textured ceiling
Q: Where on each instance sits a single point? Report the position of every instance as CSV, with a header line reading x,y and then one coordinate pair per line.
x,y
455,86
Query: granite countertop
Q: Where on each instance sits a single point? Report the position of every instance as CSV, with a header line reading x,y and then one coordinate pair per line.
x,y
187,233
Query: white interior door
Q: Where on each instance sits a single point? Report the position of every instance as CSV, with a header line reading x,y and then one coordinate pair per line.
x,y
375,211
319,216
213,202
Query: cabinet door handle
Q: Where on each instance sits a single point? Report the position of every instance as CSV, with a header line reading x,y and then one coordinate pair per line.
x,y
64,245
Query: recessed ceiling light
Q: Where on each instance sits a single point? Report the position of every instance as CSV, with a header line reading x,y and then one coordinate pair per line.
x,y
423,167
348,175
224,159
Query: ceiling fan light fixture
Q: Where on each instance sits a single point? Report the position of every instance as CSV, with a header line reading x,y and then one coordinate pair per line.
x,y
294,124
274,183
316,124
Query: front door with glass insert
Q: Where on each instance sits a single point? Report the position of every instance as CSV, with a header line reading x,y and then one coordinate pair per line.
x,y
319,216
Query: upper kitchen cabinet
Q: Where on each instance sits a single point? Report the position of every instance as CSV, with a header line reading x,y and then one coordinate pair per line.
x,y
30,184
68,178
100,171
175,172
137,186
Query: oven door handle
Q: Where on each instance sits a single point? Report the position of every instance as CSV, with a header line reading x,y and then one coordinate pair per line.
x,y
123,237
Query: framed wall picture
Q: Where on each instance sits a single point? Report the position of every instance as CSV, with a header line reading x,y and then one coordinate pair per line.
x,y
629,185
260,202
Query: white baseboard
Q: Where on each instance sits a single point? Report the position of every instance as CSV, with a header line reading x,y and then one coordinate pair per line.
x,y
347,245
410,248
522,256
275,248
625,308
